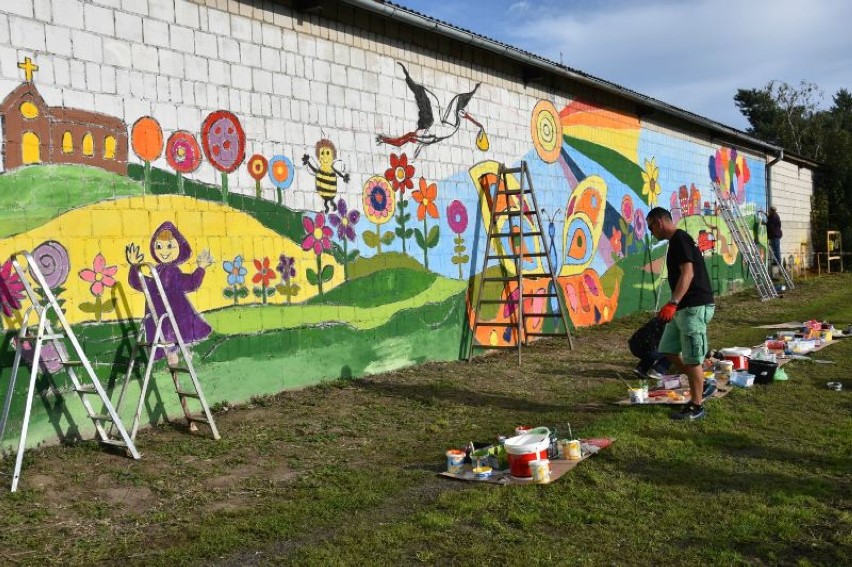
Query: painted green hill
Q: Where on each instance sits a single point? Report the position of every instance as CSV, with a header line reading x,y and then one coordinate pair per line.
x,y
33,195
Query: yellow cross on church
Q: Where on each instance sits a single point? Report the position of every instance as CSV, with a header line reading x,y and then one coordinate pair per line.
x,y
29,68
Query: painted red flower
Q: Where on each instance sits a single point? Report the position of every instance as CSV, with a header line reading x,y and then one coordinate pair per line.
x,y
224,140
257,167
400,173
264,273
182,152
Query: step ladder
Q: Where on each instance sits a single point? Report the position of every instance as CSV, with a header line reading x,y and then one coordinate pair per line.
x,y
730,210
151,284
44,307
525,209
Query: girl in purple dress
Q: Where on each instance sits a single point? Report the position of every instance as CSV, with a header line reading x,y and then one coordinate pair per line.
x,y
170,249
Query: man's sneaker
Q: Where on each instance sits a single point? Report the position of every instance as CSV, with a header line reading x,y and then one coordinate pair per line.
x,y
690,412
654,374
709,389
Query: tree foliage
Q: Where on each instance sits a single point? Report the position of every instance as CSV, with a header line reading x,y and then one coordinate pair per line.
x,y
792,117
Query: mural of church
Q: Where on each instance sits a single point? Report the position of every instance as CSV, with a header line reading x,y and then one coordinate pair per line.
x,y
34,133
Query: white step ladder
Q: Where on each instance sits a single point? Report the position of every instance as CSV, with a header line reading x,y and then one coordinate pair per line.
x,y
158,341
523,210
730,209
43,309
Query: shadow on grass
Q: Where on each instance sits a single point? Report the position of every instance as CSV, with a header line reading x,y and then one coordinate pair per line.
x,y
429,393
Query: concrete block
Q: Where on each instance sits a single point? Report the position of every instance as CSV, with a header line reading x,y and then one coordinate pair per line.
x,y
270,59
108,79
136,6
240,77
240,28
261,80
27,33
206,45
171,63
181,39
162,9
144,58
117,52
61,72
69,13
155,32
128,26
271,36
187,14
78,75
250,54
109,104
229,49
58,40
93,77
24,9
218,22
195,68
99,20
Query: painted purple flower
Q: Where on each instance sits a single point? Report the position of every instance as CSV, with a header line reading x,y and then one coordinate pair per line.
x,y
286,267
457,216
317,235
11,289
52,259
639,223
344,221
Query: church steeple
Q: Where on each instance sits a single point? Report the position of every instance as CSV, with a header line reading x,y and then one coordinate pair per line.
x,y
29,68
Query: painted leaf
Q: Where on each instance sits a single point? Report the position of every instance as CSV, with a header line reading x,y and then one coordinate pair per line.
x,y
242,292
371,239
434,236
418,237
312,276
352,255
327,272
388,237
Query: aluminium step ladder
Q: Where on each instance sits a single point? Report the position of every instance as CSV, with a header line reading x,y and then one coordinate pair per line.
x,y
158,341
523,210
730,209
44,306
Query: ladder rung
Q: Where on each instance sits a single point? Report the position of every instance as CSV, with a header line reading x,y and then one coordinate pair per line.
x,y
159,345
494,279
514,234
495,347
546,334
100,417
513,191
542,315
514,256
513,213
179,369
86,389
545,294
512,170
45,337
496,301
197,419
114,443
72,363
485,324
186,394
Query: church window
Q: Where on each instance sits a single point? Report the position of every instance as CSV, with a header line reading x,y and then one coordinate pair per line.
x,y
67,143
29,110
109,147
88,145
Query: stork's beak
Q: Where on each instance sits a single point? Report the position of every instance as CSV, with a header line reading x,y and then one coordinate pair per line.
x,y
467,116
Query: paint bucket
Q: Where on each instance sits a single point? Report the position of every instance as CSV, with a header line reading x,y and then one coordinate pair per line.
x,y
522,429
540,471
481,473
574,450
638,395
455,461
523,449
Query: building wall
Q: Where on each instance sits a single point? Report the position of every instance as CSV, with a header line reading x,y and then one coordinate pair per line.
x,y
791,192
225,104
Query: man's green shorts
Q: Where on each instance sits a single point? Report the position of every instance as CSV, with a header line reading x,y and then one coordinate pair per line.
x,y
686,334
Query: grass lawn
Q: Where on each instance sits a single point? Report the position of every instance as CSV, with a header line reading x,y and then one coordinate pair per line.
x,y
345,473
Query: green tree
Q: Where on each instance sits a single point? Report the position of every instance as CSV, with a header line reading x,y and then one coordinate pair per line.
x,y
792,117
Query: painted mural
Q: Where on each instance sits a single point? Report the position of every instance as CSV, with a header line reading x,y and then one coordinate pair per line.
x,y
361,281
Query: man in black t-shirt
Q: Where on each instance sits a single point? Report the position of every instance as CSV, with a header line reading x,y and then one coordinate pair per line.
x,y
684,339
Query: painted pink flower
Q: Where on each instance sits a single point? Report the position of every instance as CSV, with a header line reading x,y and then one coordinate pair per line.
x,y
100,276
11,289
639,223
457,216
317,234
627,208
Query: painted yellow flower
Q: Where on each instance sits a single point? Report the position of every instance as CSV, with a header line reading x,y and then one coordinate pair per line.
x,y
651,187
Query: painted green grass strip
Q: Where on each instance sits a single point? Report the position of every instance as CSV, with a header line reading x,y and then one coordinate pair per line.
x,y
249,319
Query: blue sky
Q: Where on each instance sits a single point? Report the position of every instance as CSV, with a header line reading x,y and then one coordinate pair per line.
x,y
693,54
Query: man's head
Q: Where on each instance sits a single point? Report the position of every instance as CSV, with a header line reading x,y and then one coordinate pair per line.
x,y
660,223
772,210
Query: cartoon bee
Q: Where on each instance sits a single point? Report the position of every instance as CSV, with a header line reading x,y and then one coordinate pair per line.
x,y
326,172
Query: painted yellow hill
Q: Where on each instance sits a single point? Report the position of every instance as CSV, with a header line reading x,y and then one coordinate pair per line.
x,y
108,226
